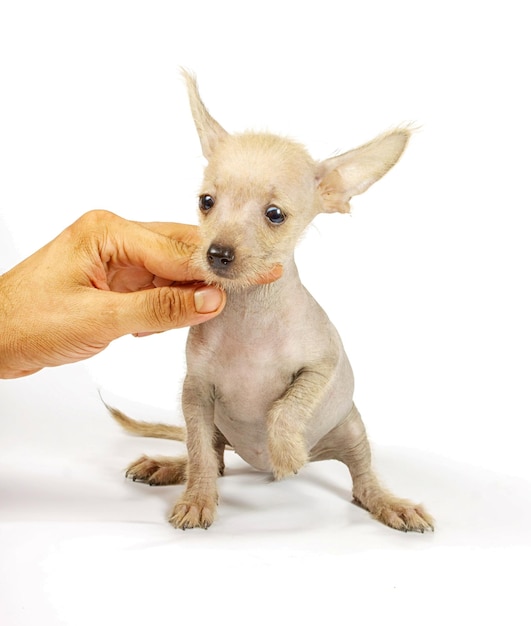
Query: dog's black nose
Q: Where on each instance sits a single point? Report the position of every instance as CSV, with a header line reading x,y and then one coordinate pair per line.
x,y
219,257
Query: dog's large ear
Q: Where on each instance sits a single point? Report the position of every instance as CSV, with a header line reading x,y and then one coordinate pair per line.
x,y
209,131
349,174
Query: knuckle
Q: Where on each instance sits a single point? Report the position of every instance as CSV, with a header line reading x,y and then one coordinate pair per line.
x,y
95,218
89,228
170,307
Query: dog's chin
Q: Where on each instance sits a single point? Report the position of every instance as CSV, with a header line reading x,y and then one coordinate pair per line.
x,y
231,284
232,281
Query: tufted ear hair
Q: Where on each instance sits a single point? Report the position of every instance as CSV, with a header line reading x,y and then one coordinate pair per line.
x,y
209,131
349,174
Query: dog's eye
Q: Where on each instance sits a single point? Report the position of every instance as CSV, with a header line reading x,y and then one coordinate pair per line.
x,y
275,215
206,202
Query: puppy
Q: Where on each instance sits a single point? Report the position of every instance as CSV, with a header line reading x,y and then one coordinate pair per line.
x,y
269,376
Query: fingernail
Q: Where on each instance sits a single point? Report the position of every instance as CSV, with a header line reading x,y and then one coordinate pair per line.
x,y
207,299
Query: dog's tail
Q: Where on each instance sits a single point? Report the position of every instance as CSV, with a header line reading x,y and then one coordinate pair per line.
x,y
147,429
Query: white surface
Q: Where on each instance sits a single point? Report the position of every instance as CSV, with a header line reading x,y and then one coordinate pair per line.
x,y
428,283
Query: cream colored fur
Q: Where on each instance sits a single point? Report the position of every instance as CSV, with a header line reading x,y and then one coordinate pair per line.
x,y
269,376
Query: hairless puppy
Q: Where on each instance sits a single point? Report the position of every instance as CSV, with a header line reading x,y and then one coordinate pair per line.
x,y
269,376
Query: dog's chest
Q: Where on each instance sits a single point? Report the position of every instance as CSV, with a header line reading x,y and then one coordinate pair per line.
x,y
246,375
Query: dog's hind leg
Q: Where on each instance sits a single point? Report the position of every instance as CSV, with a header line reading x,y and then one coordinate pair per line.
x,y
159,470
169,470
348,443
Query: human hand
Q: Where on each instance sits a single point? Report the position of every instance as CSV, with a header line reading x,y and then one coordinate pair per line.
x,y
101,278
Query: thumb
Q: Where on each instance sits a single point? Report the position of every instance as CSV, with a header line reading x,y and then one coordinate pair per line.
x,y
164,308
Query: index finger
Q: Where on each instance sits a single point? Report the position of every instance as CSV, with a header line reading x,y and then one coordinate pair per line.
x,y
186,233
166,254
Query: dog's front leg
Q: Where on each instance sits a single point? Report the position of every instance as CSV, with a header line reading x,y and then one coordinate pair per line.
x,y
197,506
287,421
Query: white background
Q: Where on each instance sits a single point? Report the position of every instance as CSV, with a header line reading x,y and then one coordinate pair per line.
x,y
427,281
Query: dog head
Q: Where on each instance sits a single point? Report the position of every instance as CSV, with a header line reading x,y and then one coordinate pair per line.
x,y
260,191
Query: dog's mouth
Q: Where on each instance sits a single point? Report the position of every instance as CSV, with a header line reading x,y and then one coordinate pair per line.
x,y
223,267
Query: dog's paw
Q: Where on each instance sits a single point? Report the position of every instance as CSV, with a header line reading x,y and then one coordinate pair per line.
x,y
401,515
190,514
158,470
287,457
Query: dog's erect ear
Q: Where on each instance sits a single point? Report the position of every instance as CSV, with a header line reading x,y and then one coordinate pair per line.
x,y
339,178
209,131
